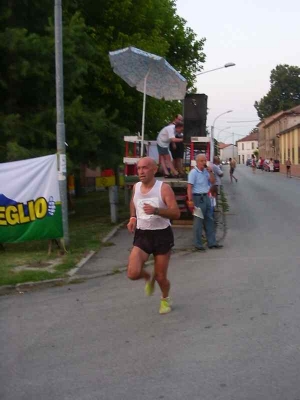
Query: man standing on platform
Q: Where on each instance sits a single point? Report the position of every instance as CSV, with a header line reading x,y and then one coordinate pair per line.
x,y
166,136
199,181
177,149
152,206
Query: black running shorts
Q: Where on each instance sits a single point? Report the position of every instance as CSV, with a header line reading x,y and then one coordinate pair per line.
x,y
159,241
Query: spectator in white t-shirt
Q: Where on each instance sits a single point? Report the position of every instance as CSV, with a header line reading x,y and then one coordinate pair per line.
x,y
164,138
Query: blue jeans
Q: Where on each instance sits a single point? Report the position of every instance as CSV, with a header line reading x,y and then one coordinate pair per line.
x,y
205,204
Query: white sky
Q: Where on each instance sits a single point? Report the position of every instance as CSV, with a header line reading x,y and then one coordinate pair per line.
x,y
256,35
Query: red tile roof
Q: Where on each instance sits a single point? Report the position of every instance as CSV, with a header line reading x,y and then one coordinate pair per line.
x,y
250,138
269,120
223,145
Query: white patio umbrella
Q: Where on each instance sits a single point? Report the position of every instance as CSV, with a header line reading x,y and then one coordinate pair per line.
x,y
150,74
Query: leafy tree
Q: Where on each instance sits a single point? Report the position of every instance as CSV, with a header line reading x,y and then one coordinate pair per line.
x,y
153,26
100,108
284,92
27,121
216,148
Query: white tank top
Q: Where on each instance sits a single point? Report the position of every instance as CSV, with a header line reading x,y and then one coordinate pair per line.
x,y
153,197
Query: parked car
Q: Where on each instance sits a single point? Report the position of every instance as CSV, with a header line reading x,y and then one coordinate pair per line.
x,y
276,164
248,162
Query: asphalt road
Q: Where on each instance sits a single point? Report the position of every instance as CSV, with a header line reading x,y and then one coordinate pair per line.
x,y
233,333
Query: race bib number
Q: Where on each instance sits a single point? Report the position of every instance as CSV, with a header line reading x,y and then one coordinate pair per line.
x,y
152,201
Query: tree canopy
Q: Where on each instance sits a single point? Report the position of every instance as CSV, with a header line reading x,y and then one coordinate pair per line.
x,y
100,108
284,92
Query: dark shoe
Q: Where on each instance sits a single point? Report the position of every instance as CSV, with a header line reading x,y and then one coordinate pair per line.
x,y
203,249
167,176
216,246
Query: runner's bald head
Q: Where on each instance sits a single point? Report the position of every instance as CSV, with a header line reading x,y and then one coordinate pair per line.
x,y
146,169
148,161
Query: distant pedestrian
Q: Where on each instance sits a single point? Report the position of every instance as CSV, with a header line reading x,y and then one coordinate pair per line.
x,y
288,165
232,166
253,163
271,165
152,206
261,163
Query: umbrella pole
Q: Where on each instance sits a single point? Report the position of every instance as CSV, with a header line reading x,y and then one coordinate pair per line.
x,y
144,112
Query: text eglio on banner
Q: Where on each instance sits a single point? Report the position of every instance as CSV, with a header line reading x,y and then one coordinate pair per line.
x,y
30,206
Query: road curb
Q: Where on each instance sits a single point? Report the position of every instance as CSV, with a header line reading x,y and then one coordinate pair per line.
x,y
113,232
84,260
81,263
20,288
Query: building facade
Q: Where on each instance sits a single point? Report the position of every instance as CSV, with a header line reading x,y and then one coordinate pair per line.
x,y
270,130
227,151
289,145
264,147
246,147
279,138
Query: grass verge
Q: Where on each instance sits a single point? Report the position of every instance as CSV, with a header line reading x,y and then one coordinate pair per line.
x,y
87,227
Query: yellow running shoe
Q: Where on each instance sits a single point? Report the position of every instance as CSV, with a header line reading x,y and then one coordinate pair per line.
x,y
149,287
165,306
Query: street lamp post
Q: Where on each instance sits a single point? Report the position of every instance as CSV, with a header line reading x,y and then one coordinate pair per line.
x,y
224,129
227,65
233,135
60,123
212,150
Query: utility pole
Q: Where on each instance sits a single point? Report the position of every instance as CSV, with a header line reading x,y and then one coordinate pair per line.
x,y
60,118
212,143
212,134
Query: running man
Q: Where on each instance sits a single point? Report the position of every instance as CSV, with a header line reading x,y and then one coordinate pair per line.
x,y
232,165
288,165
152,206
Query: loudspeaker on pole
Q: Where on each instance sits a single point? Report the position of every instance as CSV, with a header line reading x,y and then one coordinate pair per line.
x,y
194,114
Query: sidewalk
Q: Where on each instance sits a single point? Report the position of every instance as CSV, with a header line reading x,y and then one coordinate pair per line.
x,y
114,256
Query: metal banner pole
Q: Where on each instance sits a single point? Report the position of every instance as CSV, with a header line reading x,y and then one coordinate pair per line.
x,y
144,112
60,124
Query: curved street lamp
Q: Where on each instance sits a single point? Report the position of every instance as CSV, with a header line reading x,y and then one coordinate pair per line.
x,y
227,65
212,151
224,129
